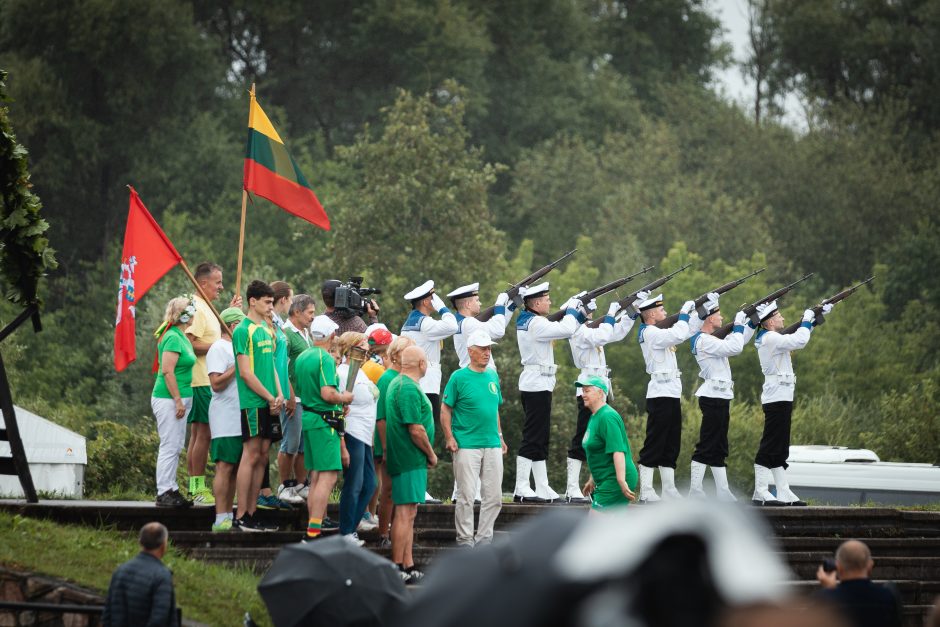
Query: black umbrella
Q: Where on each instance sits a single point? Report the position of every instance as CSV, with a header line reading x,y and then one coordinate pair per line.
x,y
331,582
510,582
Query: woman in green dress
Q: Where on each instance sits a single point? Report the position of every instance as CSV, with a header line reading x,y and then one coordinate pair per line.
x,y
613,473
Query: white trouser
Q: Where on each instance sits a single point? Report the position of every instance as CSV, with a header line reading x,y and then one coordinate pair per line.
x,y
172,432
486,466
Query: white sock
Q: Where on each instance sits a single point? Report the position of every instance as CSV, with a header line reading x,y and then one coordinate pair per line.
x,y
230,515
219,518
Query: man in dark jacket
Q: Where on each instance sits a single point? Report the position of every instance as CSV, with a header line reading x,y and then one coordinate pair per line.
x,y
141,590
850,588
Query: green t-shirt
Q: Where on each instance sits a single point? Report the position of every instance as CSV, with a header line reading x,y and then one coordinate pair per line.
x,y
604,436
280,359
382,384
175,341
296,344
406,404
314,369
259,348
475,398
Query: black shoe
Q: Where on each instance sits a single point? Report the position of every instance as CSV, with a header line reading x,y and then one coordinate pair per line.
x,y
173,498
249,524
796,503
529,500
774,503
414,576
328,525
432,501
574,500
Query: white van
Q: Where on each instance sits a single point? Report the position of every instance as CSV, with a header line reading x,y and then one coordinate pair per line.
x,y
837,475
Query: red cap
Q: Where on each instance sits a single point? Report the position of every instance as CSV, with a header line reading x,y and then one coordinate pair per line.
x,y
382,337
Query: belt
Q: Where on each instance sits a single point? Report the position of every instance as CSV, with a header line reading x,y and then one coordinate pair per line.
x,y
546,370
669,375
601,371
721,384
781,379
329,414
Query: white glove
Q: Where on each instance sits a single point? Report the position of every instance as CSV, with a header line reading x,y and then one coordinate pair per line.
x,y
572,303
580,294
592,305
502,299
613,309
640,297
827,308
740,319
437,303
711,300
687,307
809,315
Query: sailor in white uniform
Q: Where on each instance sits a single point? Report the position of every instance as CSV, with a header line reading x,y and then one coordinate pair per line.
x,y
714,396
773,350
466,301
535,335
663,394
587,352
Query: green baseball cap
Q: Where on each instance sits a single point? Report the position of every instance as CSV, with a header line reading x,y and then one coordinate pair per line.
x,y
232,314
592,381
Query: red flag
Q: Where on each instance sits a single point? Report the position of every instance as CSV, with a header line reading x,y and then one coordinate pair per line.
x,y
148,255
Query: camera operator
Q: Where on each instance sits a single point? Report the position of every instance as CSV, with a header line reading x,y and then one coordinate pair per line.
x,y
347,320
849,587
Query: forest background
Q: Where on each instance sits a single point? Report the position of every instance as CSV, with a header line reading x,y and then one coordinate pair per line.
x,y
474,140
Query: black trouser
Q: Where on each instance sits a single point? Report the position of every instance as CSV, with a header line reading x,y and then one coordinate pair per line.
x,y
663,432
438,443
712,447
775,441
576,450
537,426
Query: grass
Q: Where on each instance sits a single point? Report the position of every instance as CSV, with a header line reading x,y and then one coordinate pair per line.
x,y
216,595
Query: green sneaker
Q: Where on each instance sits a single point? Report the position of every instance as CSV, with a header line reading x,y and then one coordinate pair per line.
x,y
222,527
267,502
204,498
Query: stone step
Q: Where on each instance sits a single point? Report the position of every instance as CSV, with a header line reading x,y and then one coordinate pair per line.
x,y
912,593
880,547
805,563
208,540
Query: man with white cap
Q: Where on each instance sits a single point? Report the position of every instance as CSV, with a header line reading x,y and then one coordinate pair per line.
x,y
322,400
470,420
587,352
466,301
535,334
428,334
773,350
714,396
663,394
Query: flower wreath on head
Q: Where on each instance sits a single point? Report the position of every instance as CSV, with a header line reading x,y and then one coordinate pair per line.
x,y
190,311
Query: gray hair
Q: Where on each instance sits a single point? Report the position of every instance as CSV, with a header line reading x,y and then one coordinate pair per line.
x,y
300,304
153,535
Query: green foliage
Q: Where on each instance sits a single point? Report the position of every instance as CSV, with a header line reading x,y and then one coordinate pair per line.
x,y
120,458
25,254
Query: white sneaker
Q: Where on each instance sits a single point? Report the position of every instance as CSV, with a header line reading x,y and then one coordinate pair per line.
x,y
289,495
353,538
368,523
303,490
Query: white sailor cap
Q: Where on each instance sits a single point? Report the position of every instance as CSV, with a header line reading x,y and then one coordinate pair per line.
x,y
766,310
422,291
480,338
652,301
322,327
534,291
465,291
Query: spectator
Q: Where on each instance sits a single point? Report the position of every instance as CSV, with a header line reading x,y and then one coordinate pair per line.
x,y
470,420
393,368
203,331
409,432
346,320
172,397
260,399
141,590
359,475
380,338
850,588
224,420
290,458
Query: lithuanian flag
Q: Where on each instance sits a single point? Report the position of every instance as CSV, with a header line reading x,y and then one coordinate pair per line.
x,y
270,171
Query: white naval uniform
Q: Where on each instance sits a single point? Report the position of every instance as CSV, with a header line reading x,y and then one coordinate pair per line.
x,y
773,350
495,327
429,334
659,353
712,356
587,346
535,335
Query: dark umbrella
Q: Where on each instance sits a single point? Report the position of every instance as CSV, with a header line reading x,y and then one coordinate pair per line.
x,y
331,582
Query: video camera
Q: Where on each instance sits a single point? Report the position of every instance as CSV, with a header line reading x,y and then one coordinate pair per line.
x,y
351,298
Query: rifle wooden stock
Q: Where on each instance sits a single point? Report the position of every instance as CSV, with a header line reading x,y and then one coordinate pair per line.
x,y
669,321
597,292
818,309
513,291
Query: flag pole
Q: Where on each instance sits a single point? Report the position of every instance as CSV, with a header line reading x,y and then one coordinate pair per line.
x,y
241,231
198,287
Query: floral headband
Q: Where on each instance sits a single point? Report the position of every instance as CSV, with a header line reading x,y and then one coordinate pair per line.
x,y
187,314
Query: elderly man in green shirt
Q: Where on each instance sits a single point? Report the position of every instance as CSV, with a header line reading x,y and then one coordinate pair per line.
x,y
613,473
470,420
409,432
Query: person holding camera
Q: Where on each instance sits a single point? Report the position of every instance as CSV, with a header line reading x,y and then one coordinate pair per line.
x,y
347,320
847,585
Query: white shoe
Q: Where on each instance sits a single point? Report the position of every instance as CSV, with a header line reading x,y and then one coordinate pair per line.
x,y
647,493
289,494
353,538
573,492
540,476
668,478
784,494
303,491
368,523
523,470
762,495
720,474
696,491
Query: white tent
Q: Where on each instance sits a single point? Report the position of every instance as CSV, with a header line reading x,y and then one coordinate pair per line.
x,y
57,457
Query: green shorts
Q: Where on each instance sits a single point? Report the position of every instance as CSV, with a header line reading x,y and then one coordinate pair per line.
x,y
200,411
410,486
226,449
322,449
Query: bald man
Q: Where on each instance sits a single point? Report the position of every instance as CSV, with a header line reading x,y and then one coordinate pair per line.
x,y
409,431
850,588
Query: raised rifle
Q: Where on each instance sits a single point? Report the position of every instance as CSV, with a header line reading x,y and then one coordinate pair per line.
x,y
832,300
514,288
667,322
600,291
627,303
751,310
